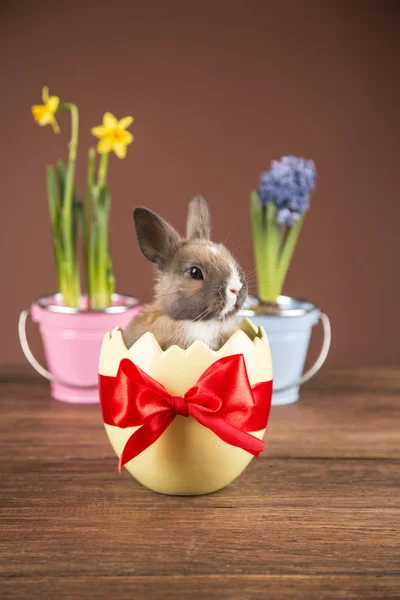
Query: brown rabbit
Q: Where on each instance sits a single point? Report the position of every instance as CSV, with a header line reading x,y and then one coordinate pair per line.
x,y
199,288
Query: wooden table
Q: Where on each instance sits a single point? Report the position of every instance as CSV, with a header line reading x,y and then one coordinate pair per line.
x,y
317,516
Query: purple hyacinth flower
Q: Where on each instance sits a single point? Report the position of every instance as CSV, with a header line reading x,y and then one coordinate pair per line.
x,y
285,216
288,184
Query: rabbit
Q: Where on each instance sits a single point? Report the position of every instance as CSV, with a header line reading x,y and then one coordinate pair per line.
x,y
200,287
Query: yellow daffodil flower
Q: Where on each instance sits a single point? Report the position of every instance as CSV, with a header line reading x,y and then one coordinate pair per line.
x,y
44,113
112,135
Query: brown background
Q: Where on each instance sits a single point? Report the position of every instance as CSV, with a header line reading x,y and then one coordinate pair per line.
x,y
218,89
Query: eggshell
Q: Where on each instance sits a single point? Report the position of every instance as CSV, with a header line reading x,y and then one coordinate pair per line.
x,y
188,459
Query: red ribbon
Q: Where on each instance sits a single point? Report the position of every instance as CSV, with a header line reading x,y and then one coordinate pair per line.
x,y
222,400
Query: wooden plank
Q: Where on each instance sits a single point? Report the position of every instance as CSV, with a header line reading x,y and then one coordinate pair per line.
x,y
380,380
204,587
301,517
336,424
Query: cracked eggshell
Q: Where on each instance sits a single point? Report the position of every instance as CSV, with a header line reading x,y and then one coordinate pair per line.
x,y
188,459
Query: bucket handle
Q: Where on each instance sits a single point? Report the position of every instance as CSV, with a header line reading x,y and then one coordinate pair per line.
x,y
326,325
32,360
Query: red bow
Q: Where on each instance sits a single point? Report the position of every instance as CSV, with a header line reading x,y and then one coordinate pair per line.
x,y
222,400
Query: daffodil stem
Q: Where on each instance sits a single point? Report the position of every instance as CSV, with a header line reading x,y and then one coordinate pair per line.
x,y
69,224
93,251
90,182
103,167
101,286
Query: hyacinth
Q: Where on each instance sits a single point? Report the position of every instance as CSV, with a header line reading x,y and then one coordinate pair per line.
x,y
288,185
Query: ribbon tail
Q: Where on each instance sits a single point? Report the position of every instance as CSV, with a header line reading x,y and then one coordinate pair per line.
x,y
144,437
229,434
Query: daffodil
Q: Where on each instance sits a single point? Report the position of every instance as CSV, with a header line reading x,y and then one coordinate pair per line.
x,y
113,135
44,113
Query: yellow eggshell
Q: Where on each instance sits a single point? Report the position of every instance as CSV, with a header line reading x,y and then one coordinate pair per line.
x,y
188,459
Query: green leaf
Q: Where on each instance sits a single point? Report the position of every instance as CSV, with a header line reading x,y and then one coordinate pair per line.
x,y
104,198
54,197
77,208
99,252
259,228
90,181
272,243
61,175
54,209
287,250
267,239
110,278
101,281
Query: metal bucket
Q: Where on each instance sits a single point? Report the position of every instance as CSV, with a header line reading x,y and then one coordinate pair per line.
x,y
72,341
289,331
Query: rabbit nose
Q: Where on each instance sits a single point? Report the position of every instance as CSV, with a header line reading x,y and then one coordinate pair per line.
x,y
234,291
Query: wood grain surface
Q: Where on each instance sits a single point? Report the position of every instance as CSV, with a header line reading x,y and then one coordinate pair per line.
x,y
317,516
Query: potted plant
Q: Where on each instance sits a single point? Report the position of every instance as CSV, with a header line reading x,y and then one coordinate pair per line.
x,y
72,322
278,209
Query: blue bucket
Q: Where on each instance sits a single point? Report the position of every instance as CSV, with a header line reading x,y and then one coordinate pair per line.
x,y
289,331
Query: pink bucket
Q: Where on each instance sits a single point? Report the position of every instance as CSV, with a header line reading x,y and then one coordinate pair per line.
x,y
72,340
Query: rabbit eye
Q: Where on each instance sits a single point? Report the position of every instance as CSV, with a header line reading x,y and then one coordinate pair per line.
x,y
196,273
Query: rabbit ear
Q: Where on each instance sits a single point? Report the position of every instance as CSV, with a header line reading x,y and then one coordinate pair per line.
x,y
157,239
199,219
